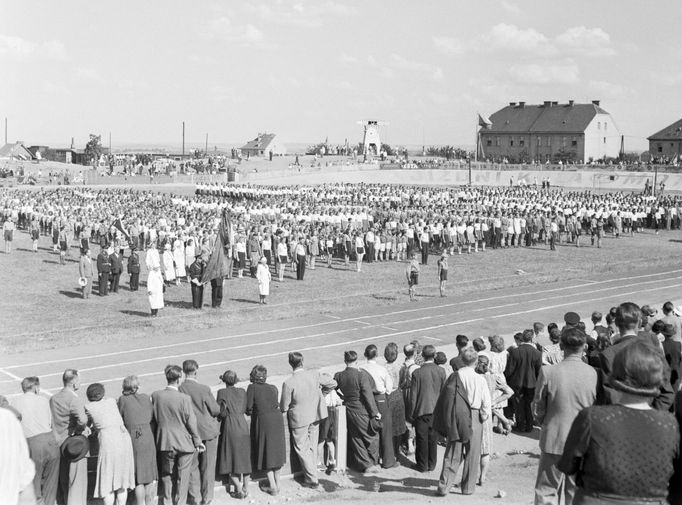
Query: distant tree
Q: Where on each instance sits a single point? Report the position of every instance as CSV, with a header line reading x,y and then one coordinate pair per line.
x,y
93,149
447,152
387,149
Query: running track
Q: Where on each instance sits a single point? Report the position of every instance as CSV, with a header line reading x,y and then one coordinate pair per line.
x,y
323,338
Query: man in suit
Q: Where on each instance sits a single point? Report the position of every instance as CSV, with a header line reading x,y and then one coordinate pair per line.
x,y
355,387
467,392
523,366
177,437
427,381
36,422
116,270
196,271
134,269
206,409
303,402
103,271
69,418
562,391
628,317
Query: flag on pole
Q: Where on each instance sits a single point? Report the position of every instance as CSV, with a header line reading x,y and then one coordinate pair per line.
x,y
119,226
217,262
484,122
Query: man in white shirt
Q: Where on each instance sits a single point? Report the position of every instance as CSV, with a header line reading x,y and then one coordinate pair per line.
x,y
36,422
16,468
383,385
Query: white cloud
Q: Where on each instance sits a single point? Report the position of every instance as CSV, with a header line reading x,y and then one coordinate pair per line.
x,y
20,47
371,60
222,28
586,41
398,62
510,7
301,13
347,58
448,45
552,73
224,94
512,38
88,74
612,91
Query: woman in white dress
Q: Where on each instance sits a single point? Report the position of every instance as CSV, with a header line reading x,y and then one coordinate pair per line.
x,y
154,279
115,461
190,249
168,264
263,276
179,258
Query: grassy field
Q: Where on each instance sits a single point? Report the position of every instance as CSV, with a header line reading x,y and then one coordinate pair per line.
x,y
42,308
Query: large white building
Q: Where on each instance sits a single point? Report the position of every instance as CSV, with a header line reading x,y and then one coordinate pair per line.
x,y
567,132
265,144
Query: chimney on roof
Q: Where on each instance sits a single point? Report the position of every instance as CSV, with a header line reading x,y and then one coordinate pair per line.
x,y
570,103
522,104
596,102
555,103
72,143
512,104
547,103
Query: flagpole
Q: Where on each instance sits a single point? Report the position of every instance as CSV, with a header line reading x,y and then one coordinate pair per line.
x,y
477,138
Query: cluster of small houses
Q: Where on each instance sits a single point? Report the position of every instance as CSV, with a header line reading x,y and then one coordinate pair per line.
x,y
549,132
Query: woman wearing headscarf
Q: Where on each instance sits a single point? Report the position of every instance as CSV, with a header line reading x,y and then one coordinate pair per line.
x,y
179,260
115,461
168,264
136,411
234,451
264,277
267,428
155,285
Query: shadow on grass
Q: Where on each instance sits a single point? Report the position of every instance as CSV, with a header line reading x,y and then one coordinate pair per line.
x,y
180,304
533,435
675,240
139,313
244,300
531,455
378,484
54,262
70,294
385,297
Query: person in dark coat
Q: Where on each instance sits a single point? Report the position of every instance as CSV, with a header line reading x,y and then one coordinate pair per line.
x,y
354,386
134,269
116,270
267,428
523,366
136,412
628,317
103,271
427,381
217,292
202,475
234,448
673,354
196,271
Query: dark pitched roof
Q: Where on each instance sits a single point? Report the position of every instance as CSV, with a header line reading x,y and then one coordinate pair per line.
x,y
674,131
16,150
562,118
261,142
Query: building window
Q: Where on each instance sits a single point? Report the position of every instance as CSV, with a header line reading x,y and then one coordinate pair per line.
x,y
574,142
539,141
604,140
659,148
606,125
511,142
489,142
522,142
598,125
497,141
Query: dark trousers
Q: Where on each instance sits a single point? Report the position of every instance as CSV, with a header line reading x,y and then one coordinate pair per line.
x,y
497,240
175,476
202,472
470,453
134,281
113,279
425,252
386,434
370,252
73,481
521,401
363,448
426,446
410,246
552,241
197,295
103,283
216,292
44,452
300,266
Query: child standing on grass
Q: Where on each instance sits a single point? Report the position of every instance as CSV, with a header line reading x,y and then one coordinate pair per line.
x,y
328,426
443,272
412,273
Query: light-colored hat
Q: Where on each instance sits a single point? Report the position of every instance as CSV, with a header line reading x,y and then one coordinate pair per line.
x,y
82,282
263,259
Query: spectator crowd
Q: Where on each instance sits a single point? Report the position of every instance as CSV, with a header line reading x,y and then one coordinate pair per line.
x,y
605,396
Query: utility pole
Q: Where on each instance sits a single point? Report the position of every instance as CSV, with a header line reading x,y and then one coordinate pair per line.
x,y
183,140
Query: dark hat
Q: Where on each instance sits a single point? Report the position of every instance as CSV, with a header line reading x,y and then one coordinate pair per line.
x,y
374,427
648,310
571,318
75,448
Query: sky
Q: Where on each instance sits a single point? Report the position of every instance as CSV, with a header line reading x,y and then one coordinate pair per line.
x,y
309,70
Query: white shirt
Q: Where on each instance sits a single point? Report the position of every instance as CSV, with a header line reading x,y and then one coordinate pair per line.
x,y
382,379
36,416
476,389
16,468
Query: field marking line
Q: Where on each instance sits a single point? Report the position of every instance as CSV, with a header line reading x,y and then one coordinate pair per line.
x,y
11,375
331,316
586,281
357,319
394,334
